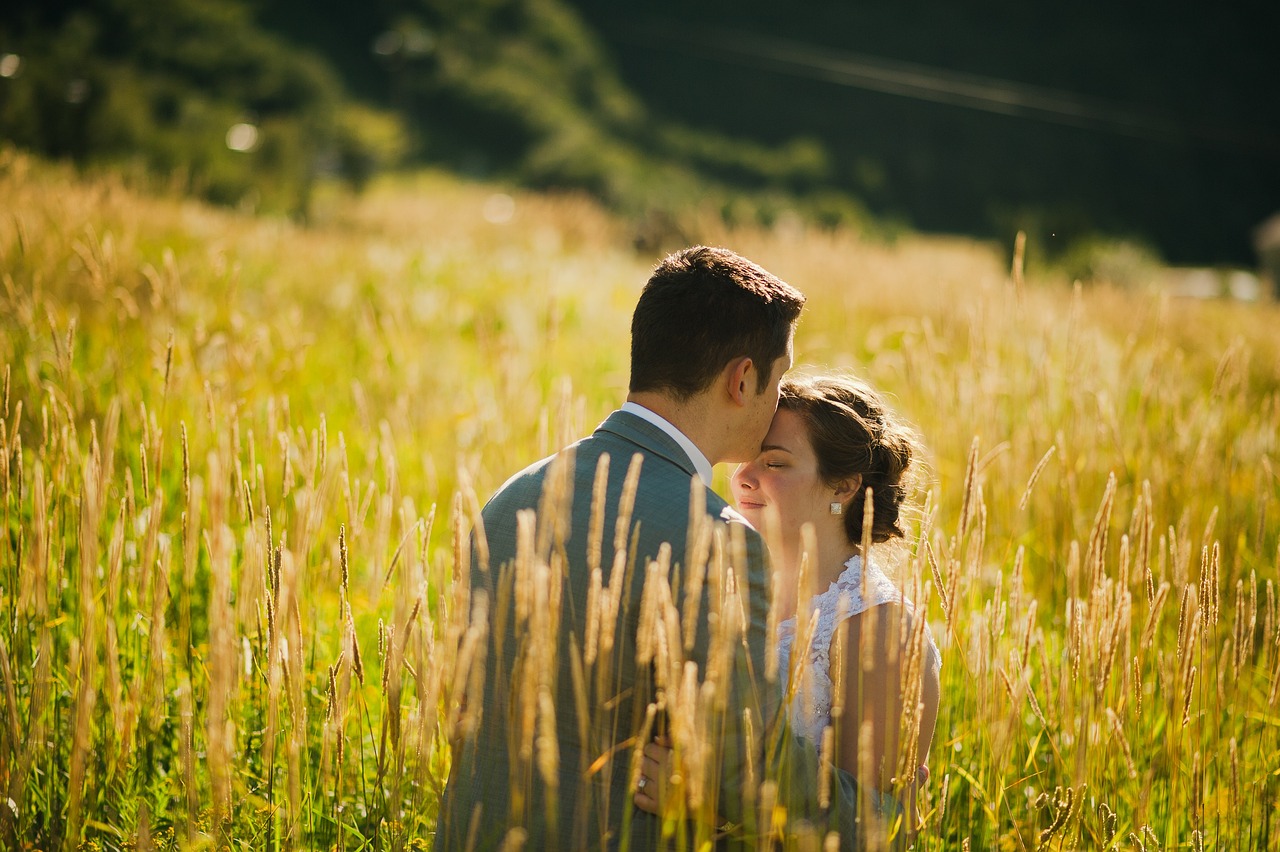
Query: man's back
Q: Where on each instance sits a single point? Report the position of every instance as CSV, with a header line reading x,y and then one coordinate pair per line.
x,y
566,697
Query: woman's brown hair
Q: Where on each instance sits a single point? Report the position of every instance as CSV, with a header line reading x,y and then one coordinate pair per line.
x,y
854,433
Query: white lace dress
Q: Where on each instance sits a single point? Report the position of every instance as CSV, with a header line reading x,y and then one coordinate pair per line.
x,y
810,709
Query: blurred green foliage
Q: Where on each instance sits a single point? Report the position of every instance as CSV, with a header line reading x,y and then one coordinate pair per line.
x,y
523,90
120,83
510,89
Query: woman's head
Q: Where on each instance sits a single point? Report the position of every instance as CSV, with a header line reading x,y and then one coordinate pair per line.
x,y
855,436
833,437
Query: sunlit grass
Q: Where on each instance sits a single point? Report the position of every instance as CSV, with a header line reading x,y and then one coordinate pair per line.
x,y
204,412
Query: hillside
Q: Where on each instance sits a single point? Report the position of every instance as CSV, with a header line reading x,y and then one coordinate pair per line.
x,y
1152,128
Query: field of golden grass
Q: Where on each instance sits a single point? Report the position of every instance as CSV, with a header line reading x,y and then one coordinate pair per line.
x,y
237,458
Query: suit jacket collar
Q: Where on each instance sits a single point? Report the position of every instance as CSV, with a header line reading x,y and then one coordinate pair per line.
x,y
647,437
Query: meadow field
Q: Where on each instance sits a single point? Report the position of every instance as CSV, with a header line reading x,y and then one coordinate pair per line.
x,y
240,459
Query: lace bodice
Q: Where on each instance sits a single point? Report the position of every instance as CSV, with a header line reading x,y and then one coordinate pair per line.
x,y
810,708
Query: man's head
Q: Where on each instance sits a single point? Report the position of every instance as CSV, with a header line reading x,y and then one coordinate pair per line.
x,y
702,308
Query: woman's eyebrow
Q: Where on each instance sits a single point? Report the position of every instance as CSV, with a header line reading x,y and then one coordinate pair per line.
x,y
764,448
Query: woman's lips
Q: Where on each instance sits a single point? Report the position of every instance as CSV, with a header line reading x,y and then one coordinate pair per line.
x,y
748,505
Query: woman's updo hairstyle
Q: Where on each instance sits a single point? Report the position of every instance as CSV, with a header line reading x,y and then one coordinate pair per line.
x,y
852,433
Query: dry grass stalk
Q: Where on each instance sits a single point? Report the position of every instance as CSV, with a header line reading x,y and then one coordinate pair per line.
x,y
1031,696
1113,638
1110,823
84,656
867,769
734,593
771,659
695,565
1209,585
1274,678
191,794
947,589
1137,687
637,749
771,822
800,677
911,699
1144,525
610,608
469,672
582,710
1015,583
970,480
1035,475
1126,556
595,591
1185,624
1153,617
1063,803
1196,798
1095,556
826,752
626,505
839,659
1270,629
1117,729
548,750
12,745
1028,633
650,606
220,732
1188,693
595,525
751,741
864,547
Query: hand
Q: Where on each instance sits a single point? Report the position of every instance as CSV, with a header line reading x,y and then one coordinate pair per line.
x,y
655,769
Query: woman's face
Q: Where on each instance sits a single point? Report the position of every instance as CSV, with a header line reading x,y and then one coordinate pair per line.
x,y
781,485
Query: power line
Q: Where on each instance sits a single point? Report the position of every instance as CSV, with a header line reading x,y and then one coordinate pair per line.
x,y
943,86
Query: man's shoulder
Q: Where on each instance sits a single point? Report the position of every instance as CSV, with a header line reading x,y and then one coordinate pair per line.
x,y
525,486
528,477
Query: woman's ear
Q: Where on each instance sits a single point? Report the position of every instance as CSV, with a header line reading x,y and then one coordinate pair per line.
x,y
847,487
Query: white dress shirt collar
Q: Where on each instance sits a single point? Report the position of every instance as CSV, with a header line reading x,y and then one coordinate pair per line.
x,y
699,460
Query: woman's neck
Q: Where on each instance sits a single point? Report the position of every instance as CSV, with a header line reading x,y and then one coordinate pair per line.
x,y
826,564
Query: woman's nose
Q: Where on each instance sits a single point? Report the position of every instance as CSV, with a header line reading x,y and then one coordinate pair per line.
x,y
743,477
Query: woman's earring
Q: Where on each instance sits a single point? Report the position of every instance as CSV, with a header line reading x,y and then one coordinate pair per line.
x,y
836,507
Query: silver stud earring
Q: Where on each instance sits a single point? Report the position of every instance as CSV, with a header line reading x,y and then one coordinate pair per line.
x,y
836,507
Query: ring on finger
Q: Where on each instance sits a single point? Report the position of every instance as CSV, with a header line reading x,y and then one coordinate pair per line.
x,y
640,783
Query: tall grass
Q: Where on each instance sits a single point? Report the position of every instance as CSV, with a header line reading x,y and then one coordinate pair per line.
x,y
239,460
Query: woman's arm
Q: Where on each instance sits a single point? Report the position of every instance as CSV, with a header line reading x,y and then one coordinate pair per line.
x,y
875,695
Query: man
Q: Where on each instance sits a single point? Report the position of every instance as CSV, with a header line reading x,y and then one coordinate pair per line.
x,y
575,675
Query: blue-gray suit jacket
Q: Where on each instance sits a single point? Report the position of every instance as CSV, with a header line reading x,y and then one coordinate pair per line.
x,y
493,788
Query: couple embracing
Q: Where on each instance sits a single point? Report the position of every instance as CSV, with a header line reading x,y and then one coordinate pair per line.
x,y
568,744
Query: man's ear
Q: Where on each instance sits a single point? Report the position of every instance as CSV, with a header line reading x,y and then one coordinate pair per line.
x,y
739,379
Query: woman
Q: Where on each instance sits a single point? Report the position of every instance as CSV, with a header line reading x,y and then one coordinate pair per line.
x,y
831,442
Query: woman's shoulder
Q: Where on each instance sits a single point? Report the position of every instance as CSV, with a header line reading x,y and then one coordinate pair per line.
x,y
864,584
877,603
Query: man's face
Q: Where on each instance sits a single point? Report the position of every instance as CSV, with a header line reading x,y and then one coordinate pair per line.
x,y
761,408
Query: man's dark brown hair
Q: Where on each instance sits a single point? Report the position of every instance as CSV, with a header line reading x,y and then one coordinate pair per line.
x,y
701,308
